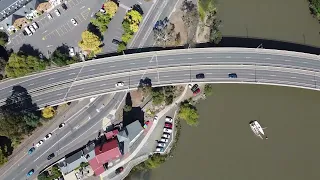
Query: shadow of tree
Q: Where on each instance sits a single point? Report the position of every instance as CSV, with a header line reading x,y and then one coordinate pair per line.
x,y
63,49
138,8
92,28
128,99
135,114
6,142
27,49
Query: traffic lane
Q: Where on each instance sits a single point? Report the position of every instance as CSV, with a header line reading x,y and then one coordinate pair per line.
x,y
53,96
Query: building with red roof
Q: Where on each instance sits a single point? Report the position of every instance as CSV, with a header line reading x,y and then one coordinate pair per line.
x,y
105,153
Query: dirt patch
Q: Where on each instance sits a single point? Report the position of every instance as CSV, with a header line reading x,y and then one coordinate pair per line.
x,y
136,97
179,27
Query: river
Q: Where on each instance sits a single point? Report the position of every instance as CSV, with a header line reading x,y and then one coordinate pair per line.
x,y
223,146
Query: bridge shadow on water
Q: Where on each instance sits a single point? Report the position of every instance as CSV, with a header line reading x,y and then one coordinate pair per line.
x,y
230,42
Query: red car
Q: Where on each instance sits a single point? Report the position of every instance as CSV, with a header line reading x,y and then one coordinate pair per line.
x,y
197,91
168,125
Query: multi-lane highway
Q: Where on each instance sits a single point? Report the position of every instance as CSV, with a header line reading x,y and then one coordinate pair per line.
x,y
169,67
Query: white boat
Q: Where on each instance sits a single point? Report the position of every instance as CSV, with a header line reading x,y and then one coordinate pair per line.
x,y
257,129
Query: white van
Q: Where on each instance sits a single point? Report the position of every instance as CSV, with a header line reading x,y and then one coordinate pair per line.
x,y
28,31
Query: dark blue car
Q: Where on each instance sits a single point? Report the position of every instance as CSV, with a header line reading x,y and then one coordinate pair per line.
x,y
233,75
30,172
31,150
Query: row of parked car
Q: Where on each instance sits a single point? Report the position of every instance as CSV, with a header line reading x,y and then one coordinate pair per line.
x,y
167,130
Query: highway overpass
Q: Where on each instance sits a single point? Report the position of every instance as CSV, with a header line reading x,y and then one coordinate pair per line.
x,y
170,67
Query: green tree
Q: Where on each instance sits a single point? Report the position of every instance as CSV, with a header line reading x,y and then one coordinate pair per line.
x,y
111,8
61,57
3,38
314,6
157,95
126,37
3,157
126,26
188,113
127,108
134,17
122,46
21,65
155,161
90,42
31,119
101,21
208,89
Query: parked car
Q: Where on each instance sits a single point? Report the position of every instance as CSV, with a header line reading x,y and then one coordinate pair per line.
x,y
168,125
30,172
166,135
119,84
64,6
155,118
50,156
57,12
166,130
115,41
35,25
102,10
200,76
39,143
119,170
164,140
49,16
61,125
32,29
28,32
190,86
74,22
47,136
31,150
169,119
159,149
232,75
161,144
195,89
71,52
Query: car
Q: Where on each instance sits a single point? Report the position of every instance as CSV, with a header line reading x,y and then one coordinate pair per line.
x,y
159,149
50,156
119,84
196,92
71,52
35,25
190,86
32,29
161,145
115,41
102,10
28,32
155,118
168,125
165,135
164,140
169,119
64,6
47,136
57,12
49,16
232,75
194,87
200,76
31,150
41,56
166,130
74,22
61,125
30,172
39,143
119,170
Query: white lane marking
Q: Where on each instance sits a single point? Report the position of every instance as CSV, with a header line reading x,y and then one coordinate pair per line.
x,y
228,56
80,89
252,74
92,69
112,66
165,76
186,74
209,57
305,62
248,57
272,75
72,73
189,58
52,146
170,59
208,73
102,84
38,100
51,79
59,94
293,77
31,84
287,60
132,63
13,165
268,58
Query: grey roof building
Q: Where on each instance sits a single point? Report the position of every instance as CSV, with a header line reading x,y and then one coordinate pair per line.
x,y
72,162
88,151
128,135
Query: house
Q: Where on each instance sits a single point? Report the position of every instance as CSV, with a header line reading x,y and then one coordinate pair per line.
x,y
128,135
105,153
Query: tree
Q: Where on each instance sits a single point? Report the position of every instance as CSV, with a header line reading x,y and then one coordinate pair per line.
x,y
90,42
314,6
126,37
208,89
155,161
31,119
48,112
157,95
169,92
122,46
61,57
111,8
190,18
3,38
126,26
127,108
101,21
188,113
21,65
165,36
3,157
134,17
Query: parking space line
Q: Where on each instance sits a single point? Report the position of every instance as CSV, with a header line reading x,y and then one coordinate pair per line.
x,y
71,27
78,18
66,25
65,28
58,32
72,3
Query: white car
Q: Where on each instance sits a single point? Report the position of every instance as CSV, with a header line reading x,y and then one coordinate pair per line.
x,y
166,130
74,22
39,143
155,118
49,16
161,145
169,119
57,12
48,136
119,84
71,52
164,140
35,25
61,125
160,149
190,86
32,29
166,135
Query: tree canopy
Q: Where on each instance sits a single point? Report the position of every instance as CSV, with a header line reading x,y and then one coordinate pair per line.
x,y
101,21
315,8
3,38
188,113
48,112
157,94
3,157
61,57
111,8
21,65
208,89
90,42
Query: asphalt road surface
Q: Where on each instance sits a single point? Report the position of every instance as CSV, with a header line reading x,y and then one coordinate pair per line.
x,y
166,67
77,132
